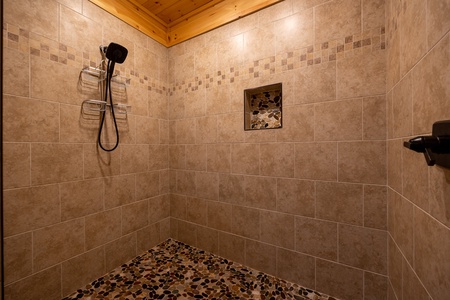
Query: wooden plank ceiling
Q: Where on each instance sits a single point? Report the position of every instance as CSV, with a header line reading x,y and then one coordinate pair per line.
x,y
173,21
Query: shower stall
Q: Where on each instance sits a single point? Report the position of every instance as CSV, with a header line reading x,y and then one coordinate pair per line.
x,y
329,203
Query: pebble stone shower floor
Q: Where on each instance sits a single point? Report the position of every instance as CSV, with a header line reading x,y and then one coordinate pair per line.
x,y
174,270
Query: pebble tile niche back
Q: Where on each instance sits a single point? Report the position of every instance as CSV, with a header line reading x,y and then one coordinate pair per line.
x,y
263,107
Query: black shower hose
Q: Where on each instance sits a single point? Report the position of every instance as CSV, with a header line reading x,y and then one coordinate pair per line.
x,y
109,74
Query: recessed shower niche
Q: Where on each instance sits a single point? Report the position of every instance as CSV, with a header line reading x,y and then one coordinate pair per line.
x,y
263,107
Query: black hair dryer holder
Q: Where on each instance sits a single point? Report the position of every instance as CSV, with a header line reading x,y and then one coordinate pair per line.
x,y
435,147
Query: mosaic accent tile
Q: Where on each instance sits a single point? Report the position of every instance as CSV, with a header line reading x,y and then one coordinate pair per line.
x,y
37,45
366,42
173,270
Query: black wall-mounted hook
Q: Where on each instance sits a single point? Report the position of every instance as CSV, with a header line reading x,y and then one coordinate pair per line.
x,y
435,147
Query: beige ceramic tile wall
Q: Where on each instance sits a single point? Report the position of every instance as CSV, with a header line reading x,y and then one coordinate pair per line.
x,y
71,211
418,90
306,202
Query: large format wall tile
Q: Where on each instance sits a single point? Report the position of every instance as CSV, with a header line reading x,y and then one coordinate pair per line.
x,y
363,248
339,280
16,72
278,229
375,286
27,120
98,163
81,269
438,22
338,121
57,243
339,202
260,256
16,165
412,287
295,31
74,128
296,197
316,237
207,185
361,75
232,246
231,188
133,158
402,108
196,157
362,162
440,194
158,208
119,190
277,160
149,236
296,267
51,163
54,81
415,178
77,30
47,282
147,185
373,14
219,215
413,33
260,192
338,18
245,158
395,262
196,211
134,216
39,16
103,227
28,209
316,83
400,226
246,222
18,259
316,161
431,248
81,198
375,206
262,39
298,124
120,250
431,88
394,162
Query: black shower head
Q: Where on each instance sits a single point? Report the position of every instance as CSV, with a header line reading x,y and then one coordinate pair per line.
x,y
116,53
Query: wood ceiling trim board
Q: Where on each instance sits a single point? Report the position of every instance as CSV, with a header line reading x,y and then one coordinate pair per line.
x,y
142,2
182,8
160,6
138,7
195,12
211,15
136,17
222,13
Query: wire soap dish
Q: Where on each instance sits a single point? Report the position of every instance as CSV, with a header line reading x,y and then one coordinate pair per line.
x,y
94,107
91,79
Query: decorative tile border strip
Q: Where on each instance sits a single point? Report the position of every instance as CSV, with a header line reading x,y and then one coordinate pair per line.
x,y
369,41
40,46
